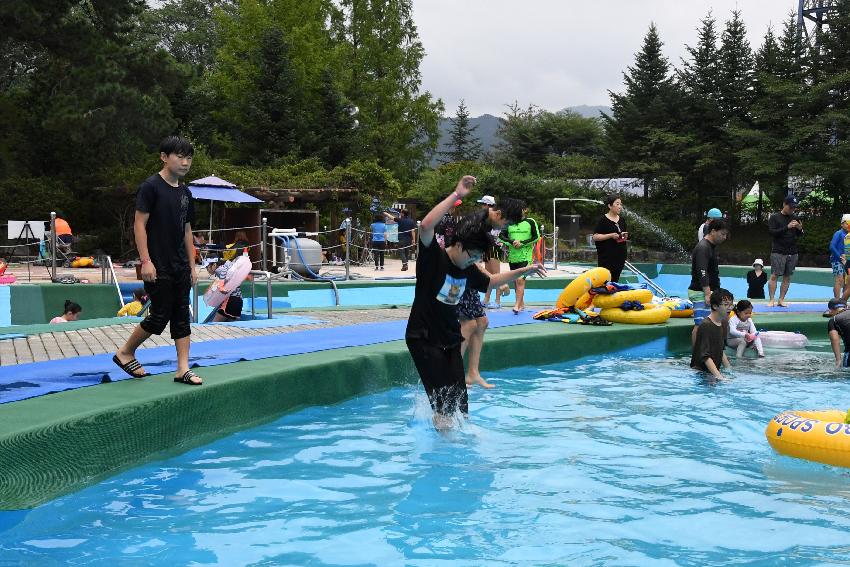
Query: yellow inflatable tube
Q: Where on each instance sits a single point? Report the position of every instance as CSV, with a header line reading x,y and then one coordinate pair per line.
x,y
650,315
820,436
680,307
571,295
617,299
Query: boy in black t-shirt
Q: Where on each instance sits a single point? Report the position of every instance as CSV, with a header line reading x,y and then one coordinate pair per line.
x,y
709,348
163,226
433,330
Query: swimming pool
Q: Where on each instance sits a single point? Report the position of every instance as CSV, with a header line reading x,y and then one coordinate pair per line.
x,y
624,459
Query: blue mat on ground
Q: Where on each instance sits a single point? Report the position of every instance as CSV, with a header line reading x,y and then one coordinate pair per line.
x,y
793,307
276,321
23,381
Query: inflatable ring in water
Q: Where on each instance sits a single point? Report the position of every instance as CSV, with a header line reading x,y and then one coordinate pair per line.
x,y
651,314
783,339
603,301
594,277
820,436
680,307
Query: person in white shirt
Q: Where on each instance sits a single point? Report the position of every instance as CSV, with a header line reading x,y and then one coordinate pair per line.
x,y
742,330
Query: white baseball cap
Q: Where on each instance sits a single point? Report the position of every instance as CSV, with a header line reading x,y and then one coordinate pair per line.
x,y
487,200
759,261
845,218
208,260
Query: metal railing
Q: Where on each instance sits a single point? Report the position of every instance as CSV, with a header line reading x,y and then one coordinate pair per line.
x,y
107,275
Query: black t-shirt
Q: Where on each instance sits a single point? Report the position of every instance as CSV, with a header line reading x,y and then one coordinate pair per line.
x,y
710,342
610,252
704,268
784,238
439,287
170,208
405,226
755,284
841,323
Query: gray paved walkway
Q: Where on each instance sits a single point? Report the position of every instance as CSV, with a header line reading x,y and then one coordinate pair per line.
x,y
100,340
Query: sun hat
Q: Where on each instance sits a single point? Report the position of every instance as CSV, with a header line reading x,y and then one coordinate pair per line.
x,y
791,200
714,214
487,200
845,218
759,262
837,303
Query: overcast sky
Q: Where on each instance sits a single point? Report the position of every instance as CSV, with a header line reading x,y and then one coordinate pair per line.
x,y
559,53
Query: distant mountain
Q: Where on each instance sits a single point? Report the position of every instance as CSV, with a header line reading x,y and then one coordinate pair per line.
x,y
488,128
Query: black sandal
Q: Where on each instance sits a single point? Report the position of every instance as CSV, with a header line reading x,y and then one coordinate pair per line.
x,y
187,377
130,367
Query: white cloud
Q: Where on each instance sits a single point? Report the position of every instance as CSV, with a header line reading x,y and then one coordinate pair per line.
x,y
558,53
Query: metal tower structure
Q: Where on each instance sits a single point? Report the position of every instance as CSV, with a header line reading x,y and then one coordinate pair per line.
x,y
812,16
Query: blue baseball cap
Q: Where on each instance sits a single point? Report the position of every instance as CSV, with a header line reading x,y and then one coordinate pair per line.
x,y
714,214
792,200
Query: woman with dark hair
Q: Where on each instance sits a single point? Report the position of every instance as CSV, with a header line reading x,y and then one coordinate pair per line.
x,y
610,236
379,240
71,312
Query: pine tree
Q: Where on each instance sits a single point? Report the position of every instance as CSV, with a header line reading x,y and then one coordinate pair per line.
x,y
736,70
463,144
638,126
398,124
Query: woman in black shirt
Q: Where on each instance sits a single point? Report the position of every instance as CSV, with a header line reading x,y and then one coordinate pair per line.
x,y
756,278
610,237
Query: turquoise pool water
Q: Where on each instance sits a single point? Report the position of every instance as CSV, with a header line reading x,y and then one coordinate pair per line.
x,y
677,285
626,459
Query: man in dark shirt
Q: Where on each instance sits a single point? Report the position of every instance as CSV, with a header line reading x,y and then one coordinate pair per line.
x,y
784,228
708,353
433,330
705,272
163,230
838,328
406,229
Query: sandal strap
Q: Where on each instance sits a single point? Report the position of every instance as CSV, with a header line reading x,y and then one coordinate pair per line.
x,y
187,377
133,365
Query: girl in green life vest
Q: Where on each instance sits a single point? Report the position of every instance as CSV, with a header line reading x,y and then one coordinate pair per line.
x,y
520,238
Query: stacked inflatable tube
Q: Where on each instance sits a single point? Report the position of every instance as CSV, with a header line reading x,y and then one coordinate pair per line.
x,y
682,308
820,436
220,290
651,314
617,299
575,291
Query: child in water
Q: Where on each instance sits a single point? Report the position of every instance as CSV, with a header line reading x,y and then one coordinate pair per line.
x,y
742,330
71,312
134,307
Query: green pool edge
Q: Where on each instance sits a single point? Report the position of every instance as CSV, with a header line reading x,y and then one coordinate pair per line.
x,y
63,442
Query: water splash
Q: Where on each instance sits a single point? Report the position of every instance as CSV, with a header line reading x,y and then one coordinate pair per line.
x,y
669,243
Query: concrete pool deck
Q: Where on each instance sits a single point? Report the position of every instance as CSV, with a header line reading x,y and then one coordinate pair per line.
x,y
59,443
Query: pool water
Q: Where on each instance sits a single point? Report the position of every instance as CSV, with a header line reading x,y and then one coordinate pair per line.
x,y
677,285
625,459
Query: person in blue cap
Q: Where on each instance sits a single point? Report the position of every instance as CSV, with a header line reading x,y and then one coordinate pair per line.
x,y
784,228
709,216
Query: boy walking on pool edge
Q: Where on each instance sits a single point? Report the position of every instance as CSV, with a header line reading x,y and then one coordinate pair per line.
x,y
433,330
163,226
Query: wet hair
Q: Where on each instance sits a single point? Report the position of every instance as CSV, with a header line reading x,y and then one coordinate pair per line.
x,y
71,307
176,145
139,293
718,296
473,233
611,198
511,209
743,305
717,224
405,213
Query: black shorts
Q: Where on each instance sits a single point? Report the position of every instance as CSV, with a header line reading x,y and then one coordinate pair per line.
x,y
470,306
517,265
442,374
231,308
169,297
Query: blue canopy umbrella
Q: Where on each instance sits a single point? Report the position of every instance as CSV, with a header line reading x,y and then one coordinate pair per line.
x,y
214,188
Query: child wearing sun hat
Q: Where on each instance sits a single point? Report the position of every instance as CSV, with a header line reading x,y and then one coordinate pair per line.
x,y
756,278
